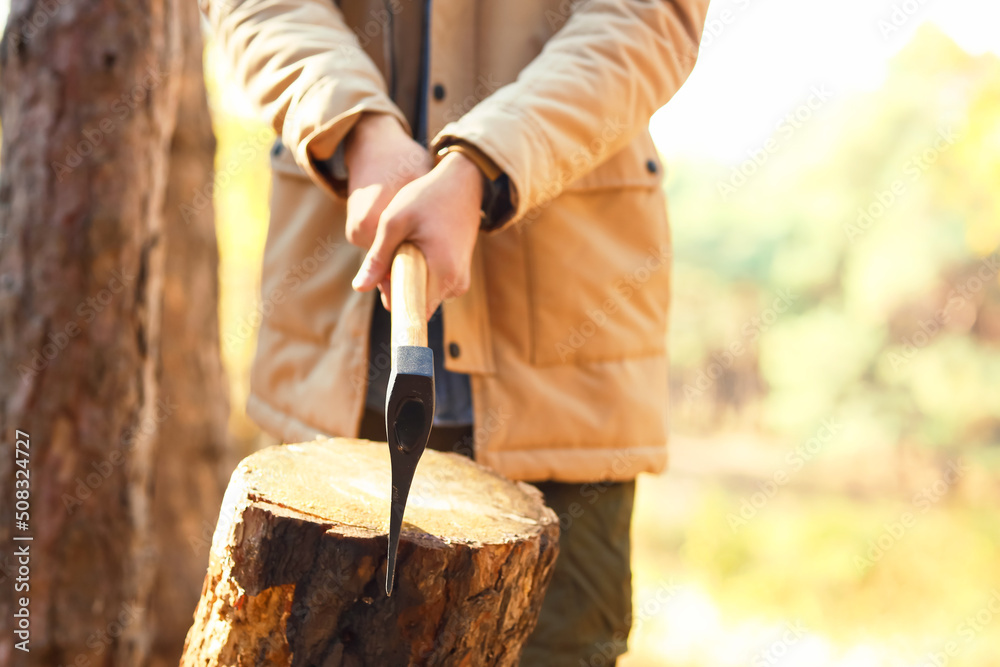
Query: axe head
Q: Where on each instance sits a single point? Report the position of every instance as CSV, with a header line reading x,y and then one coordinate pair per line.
x,y
409,414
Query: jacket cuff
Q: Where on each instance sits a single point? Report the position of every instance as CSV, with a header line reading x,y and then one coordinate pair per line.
x,y
316,152
471,130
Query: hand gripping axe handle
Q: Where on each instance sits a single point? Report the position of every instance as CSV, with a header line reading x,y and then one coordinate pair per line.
x,y
409,403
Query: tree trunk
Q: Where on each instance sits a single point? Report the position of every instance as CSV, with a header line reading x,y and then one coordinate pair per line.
x,y
297,568
192,460
89,92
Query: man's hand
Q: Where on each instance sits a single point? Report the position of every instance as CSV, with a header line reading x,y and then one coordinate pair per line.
x,y
439,213
381,158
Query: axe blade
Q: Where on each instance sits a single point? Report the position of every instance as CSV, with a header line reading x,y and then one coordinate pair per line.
x,y
409,414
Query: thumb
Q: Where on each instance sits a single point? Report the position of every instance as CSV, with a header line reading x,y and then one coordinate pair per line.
x,y
378,261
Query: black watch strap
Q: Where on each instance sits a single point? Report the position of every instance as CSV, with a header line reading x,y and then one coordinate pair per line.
x,y
495,207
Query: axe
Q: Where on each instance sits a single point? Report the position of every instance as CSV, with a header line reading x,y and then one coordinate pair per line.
x,y
409,402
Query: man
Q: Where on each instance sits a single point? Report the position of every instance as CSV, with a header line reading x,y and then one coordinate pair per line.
x,y
507,139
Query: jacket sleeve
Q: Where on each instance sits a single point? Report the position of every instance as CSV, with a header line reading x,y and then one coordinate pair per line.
x,y
303,69
590,91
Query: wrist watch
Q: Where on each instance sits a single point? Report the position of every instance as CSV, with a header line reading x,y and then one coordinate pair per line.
x,y
495,207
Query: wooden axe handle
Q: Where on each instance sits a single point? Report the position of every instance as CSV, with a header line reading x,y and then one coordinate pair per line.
x,y
409,297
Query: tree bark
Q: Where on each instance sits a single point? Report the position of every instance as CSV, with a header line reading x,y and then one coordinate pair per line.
x,y
192,459
89,92
297,568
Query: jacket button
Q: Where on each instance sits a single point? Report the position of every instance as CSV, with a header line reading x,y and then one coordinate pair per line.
x,y
438,92
651,166
454,350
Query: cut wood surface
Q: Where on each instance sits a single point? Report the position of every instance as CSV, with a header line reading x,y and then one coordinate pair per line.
x,y
297,567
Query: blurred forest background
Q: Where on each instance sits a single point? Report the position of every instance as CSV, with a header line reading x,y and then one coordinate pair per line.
x,y
836,377
835,475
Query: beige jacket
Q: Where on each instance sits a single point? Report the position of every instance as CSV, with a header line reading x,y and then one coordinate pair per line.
x,y
564,328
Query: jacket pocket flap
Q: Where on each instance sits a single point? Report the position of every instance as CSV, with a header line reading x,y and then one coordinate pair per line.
x,y
638,165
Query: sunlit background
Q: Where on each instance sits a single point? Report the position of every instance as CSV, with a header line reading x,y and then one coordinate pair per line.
x,y
834,179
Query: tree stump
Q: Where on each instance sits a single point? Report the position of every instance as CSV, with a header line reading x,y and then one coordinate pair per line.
x,y
297,568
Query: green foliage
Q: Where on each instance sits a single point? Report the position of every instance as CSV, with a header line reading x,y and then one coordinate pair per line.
x,y
882,217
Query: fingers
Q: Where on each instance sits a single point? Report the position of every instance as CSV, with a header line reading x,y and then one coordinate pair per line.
x,y
385,289
364,206
375,269
438,214
448,273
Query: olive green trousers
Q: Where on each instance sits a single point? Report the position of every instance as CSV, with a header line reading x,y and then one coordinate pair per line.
x,y
587,610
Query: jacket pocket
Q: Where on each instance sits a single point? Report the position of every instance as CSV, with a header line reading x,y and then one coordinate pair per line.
x,y
598,263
